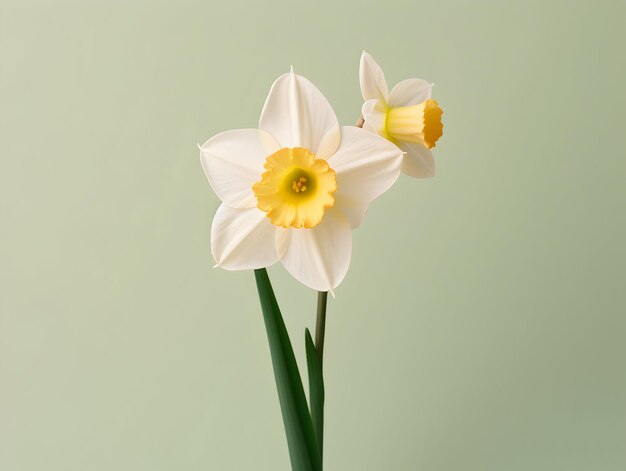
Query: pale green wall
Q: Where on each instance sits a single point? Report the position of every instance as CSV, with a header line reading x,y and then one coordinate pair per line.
x,y
482,324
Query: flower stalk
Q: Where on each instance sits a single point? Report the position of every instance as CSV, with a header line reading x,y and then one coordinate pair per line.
x,y
320,323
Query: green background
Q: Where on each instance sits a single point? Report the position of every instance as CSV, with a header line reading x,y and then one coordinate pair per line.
x,y
481,326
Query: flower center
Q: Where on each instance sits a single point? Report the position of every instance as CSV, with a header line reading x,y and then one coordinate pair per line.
x,y
296,188
419,123
299,185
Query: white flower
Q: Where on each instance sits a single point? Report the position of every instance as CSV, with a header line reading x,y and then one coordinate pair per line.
x,y
294,189
407,116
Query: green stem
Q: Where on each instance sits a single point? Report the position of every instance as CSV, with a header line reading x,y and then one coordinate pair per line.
x,y
316,390
320,325
314,354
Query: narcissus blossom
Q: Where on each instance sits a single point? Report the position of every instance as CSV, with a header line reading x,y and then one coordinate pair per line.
x,y
293,190
406,116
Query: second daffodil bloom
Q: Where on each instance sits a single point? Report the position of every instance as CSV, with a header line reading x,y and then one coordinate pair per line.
x,y
293,190
407,116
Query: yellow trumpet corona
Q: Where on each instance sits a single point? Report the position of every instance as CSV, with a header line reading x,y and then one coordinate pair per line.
x,y
296,188
419,123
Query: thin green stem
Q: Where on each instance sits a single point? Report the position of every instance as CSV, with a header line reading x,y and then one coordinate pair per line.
x,y
315,354
320,325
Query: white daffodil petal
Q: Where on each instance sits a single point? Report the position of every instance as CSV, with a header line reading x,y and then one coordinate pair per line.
x,y
243,239
418,161
410,92
319,257
233,162
366,165
298,115
369,106
372,79
374,115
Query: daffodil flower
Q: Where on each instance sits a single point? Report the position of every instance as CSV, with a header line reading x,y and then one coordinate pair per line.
x,y
293,190
406,116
